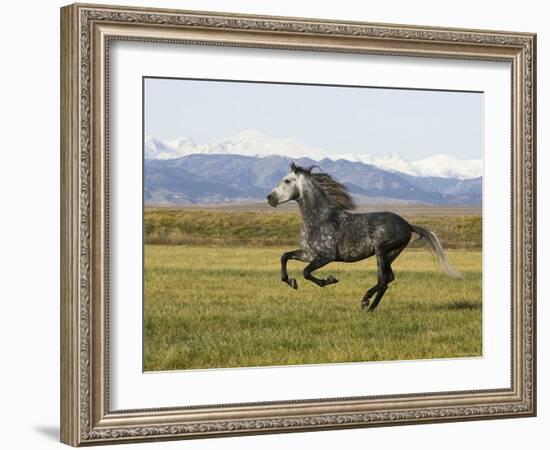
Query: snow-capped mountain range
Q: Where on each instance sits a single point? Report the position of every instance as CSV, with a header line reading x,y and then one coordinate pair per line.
x,y
257,144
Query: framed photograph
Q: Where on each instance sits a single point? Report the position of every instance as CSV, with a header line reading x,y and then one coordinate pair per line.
x,y
276,224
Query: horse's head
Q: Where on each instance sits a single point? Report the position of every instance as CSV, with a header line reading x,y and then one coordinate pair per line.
x,y
288,188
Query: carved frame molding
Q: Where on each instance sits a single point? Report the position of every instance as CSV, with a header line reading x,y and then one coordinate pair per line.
x,y
86,31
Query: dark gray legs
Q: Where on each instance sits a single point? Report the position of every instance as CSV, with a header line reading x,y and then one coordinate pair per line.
x,y
295,254
313,265
317,263
384,277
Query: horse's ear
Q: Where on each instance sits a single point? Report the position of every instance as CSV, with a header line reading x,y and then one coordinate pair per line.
x,y
293,167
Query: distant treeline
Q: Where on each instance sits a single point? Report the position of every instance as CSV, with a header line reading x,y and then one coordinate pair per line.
x,y
183,226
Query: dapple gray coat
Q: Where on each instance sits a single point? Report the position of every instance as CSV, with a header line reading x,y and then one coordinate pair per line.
x,y
331,233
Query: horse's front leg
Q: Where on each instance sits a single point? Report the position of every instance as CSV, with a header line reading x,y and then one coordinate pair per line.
x,y
317,263
295,254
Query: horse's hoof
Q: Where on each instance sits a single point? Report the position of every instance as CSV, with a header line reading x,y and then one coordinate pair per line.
x,y
292,283
365,304
331,280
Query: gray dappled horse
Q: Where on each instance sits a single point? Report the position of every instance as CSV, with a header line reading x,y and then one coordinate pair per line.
x,y
331,233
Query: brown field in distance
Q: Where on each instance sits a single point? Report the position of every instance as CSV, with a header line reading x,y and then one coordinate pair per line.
x,y
242,225
402,209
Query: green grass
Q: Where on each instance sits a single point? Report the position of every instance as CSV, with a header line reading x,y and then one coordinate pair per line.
x,y
208,306
184,226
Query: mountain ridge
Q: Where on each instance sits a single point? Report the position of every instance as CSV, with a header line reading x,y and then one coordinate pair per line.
x,y
257,144
219,178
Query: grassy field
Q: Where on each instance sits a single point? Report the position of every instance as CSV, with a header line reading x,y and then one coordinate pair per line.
x,y
254,228
221,303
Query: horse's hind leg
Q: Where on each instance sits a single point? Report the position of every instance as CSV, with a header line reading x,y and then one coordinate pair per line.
x,y
379,294
385,277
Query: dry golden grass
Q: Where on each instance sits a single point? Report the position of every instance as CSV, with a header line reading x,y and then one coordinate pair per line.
x,y
217,227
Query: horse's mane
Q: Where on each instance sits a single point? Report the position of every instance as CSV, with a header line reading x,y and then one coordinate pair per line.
x,y
336,193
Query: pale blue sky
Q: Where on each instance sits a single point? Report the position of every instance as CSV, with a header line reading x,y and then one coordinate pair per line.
x,y
414,124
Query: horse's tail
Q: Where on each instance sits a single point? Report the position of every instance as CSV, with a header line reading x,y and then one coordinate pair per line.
x,y
437,250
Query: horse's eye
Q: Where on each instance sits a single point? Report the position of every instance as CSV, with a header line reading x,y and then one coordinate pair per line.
x,y
287,181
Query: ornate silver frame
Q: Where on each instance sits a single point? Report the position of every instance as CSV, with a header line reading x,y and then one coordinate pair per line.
x,y
86,31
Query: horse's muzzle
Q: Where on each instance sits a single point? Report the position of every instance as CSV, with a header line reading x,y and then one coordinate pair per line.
x,y
272,200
